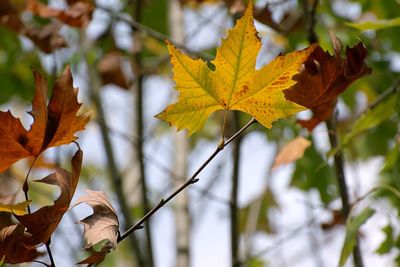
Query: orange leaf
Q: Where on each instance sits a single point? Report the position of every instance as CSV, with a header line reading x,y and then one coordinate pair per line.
x,y
292,151
54,124
78,14
324,78
42,223
15,245
102,225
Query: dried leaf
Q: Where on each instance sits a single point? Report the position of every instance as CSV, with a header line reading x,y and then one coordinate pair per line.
x,y
78,14
16,246
111,71
292,151
43,222
235,84
54,124
101,226
324,78
47,37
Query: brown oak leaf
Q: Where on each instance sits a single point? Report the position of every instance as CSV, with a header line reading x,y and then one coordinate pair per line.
x,y
54,124
324,78
101,226
43,222
16,246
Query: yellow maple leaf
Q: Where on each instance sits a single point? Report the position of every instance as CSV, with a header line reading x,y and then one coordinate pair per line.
x,y
235,84
18,209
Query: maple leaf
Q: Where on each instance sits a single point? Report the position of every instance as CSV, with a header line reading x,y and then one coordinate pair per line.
x,y
43,222
54,124
292,151
78,14
324,78
15,245
235,84
101,226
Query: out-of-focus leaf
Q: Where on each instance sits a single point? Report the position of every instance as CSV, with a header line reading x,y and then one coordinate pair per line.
x,y
312,172
154,15
18,209
351,233
110,68
387,244
292,151
255,262
375,25
78,14
372,118
43,222
101,226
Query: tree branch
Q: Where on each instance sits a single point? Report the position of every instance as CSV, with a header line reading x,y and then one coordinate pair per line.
x,y
188,182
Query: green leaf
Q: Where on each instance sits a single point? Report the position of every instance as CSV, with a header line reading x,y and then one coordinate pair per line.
x,y
375,25
388,243
312,172
351,233
372,118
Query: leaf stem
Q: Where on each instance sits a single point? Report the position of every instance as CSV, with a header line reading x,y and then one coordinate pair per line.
x,y
188,182
25,186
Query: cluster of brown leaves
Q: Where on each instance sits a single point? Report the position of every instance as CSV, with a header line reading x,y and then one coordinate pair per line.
x,y
55,124
46,37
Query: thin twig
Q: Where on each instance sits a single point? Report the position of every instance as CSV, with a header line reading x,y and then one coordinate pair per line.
x,y
190,181
137,67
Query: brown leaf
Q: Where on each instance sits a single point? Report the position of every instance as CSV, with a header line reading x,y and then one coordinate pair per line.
x,y
292,151
111,71
103,223
324,78
54,124
47,37
15,245
78,14
43,222
96,256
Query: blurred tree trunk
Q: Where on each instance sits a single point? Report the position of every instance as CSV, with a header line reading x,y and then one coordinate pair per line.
x,y
182,216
